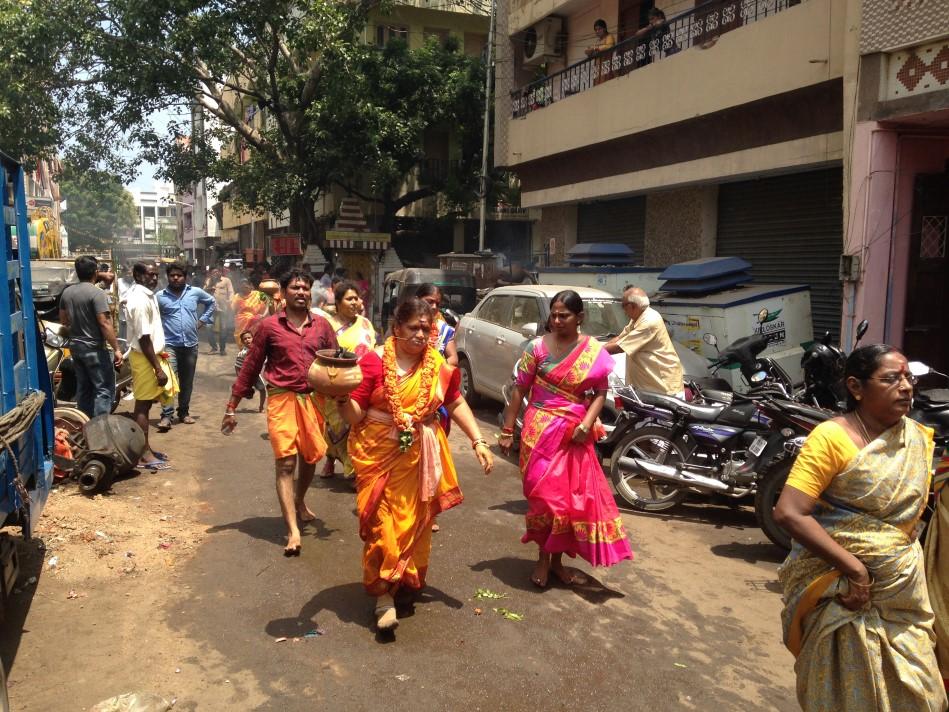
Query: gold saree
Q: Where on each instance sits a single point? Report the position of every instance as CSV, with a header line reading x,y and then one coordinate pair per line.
x,y
880,658
937,565
399,493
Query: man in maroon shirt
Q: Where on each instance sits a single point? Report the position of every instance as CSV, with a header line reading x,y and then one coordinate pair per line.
x,y
288,342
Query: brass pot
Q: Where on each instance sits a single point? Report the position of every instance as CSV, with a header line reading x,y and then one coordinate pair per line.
x,y
334,372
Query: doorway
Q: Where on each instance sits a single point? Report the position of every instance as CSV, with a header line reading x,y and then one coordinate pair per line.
x,y
926,332
633,14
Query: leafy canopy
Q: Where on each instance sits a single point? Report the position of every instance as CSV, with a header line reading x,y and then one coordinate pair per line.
x,y
290,90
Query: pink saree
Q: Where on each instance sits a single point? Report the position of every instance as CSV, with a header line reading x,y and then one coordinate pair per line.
x,y
570,506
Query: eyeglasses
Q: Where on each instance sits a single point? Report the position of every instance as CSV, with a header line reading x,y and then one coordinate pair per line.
x,y
893,379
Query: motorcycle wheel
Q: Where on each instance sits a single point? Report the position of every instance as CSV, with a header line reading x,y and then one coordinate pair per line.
x,y
645,493
769,489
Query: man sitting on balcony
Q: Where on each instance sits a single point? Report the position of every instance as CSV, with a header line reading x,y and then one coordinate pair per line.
x,y
604,41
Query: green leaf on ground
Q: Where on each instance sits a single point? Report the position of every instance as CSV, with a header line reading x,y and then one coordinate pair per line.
x,y
510,615
488,593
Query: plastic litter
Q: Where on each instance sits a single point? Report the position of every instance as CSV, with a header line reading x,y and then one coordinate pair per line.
x,y
315,633
402,678
53,562
133,702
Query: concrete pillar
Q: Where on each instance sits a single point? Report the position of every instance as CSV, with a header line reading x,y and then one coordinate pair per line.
x,y
681,225
557,223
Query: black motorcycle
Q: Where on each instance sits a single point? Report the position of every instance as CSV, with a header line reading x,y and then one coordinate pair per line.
x,y
665,448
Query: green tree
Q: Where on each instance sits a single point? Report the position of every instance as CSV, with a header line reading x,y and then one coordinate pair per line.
x,y
98,208
337,111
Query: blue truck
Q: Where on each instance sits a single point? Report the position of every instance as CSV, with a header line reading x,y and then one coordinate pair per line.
x,y
26,400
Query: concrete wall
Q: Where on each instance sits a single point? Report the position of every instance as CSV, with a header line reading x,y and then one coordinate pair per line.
x,y
681,225
796,48
418,19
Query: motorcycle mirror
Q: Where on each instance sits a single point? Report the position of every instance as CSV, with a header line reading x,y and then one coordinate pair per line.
x,y
710,339
861,330
825,340
918,368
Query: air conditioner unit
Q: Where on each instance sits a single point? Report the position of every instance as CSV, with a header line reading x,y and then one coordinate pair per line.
x,y
543,41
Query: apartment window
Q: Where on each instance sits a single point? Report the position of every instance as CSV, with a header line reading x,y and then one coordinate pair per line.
x,y
162,212
386,33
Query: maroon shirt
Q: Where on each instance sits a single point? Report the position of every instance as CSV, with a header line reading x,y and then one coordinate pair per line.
x,y
288,354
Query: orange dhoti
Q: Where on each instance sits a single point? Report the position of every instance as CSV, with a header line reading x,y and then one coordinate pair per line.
x,y
295,425
400,493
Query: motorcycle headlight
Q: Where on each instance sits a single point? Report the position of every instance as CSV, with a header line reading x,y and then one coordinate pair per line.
x,y
53,339
615,382
758,377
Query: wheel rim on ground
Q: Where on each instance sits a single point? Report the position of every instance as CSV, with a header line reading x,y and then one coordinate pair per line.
x,y
637,488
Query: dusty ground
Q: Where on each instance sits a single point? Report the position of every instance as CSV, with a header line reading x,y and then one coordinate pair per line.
x,y
198,612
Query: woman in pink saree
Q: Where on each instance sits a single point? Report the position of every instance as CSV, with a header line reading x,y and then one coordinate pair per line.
x,y
570,506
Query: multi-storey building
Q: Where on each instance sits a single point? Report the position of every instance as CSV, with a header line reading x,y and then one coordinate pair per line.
x,y
896,108
717,132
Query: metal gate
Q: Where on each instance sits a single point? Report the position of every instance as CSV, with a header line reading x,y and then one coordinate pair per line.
x,y
791,230
622,221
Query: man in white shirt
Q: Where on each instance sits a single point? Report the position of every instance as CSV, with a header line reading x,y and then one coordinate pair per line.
x,y
125,283
152,377
652,363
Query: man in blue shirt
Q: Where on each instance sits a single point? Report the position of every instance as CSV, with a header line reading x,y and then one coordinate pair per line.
x,y
178,304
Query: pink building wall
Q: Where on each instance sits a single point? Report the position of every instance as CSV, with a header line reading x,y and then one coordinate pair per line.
x,y
884,165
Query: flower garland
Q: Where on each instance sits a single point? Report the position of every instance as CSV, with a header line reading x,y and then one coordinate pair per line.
x,y
403,420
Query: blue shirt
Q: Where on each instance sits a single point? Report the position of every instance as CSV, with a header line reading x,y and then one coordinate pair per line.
x,y
179,314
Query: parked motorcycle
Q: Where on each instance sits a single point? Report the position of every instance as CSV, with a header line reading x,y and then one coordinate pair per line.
x,y
62,372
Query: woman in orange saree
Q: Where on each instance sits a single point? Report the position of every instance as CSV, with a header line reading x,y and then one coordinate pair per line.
x,y
250,306
404,471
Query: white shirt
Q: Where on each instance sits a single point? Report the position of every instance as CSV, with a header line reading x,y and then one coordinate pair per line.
x,y
125,284
144,318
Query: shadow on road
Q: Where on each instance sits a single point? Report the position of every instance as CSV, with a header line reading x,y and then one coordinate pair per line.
x,y
350,604
514,506
721,517
18,605
752,553
515,573
273,529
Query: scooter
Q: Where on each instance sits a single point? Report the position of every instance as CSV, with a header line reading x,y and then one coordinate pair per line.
x,y
62,372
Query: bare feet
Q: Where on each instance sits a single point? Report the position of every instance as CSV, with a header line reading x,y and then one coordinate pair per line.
x,y
304,513
386,618
293,545
568,577
541,571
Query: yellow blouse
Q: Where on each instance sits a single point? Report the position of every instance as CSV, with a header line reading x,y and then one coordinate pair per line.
x,y
826,452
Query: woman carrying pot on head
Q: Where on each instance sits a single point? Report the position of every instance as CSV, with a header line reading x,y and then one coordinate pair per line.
x,y
570,508
857,614
404,469
355,333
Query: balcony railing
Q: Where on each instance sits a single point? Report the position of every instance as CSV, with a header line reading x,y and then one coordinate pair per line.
x,y
696,27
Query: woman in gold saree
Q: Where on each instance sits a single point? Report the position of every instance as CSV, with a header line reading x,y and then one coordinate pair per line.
x,y
404,471
250,308
355,333
937,563
857,613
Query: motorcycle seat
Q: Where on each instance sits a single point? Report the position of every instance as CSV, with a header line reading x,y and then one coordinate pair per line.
x,y
701,413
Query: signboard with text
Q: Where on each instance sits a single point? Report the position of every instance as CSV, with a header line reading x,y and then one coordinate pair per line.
x,y
285,246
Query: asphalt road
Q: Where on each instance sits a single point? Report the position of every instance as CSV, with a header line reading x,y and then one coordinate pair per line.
x,y
692,623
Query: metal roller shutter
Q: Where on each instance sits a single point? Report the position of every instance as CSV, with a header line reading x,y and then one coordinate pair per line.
x,y
622,221
791,230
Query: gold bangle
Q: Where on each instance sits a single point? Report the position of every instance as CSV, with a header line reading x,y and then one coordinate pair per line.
x,y
857,584
479,441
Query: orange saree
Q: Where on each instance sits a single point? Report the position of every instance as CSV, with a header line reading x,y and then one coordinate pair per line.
x,y
398,493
